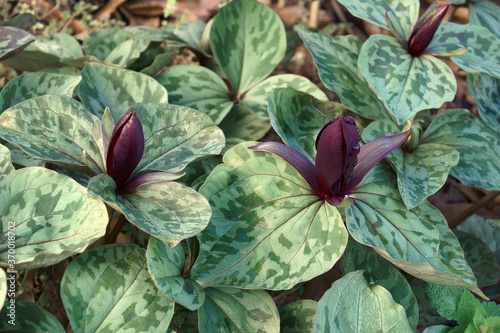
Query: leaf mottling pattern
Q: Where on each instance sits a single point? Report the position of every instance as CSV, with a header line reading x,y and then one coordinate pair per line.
x,y
485,90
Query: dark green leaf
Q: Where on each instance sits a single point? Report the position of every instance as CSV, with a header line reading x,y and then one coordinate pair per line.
x,y
29,317
13,40
298,317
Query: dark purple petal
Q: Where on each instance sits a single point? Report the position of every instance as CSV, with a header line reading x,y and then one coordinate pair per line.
x,y
351,140
371,153
295,159
149,178
330,156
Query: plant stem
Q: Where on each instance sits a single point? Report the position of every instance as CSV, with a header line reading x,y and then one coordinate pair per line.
x,y
472,209
173,328
111,236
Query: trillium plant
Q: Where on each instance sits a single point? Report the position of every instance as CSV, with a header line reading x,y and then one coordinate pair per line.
x,y
222,198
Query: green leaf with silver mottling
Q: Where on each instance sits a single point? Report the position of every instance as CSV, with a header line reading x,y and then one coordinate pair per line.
x,y
418,241
421,171
162,57
166,267
236,310
124,54
20,159
109,289
478,145
404,83
298,317
337,62
56,129
381,272
104,42
13,40
167,210
248,40
4,285
255,98
480,258
53,217
484,53
6,166
485,14
482,229
118,89
298,117
28,317
259,202
485,90
242,125
198,88
61,45
191,33
23,21
31,85
174,136
427,313
353,304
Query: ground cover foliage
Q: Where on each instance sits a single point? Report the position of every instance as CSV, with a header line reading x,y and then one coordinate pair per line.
x,y
235,189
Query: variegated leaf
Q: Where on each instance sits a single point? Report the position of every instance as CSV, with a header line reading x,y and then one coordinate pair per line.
x,y
242,125
485,14
104,42
484,53
236,310
421,171
298,317
31,85
117,89
248,41
56,129
6,166
153,61
418,241
485,90
353,304
381,272
109,289
404,83
168,211
482,229
20,159
23,21
51,216
124,53
28,317
191,33
167,267
479,147
198,88
13,40
255,98
259,202
337,62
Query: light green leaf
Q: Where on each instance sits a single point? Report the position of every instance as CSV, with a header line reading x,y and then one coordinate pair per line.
x,y
259,202
191,33
168,211
479,147
198,88
13,40
445,299
124,54
28,317
255,98
6,166
248,40
486,14
109,289
352,304
62,45
485,90
20,159
477,226
4,286
104,42
417,241
50,215
381,272
242,125
404,83
56,129
167,267
118,89
484,53
494,224
298,317
337,62
236,310
437,328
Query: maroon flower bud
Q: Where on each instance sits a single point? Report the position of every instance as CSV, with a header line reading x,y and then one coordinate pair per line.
x,y
425,28
125,149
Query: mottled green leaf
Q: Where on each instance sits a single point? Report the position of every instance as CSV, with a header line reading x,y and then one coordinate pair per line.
x,y
104,42
124,54
404,83
50,216
6,166
421,171
484,53
191,33
13,40
56,129
61,45
236,310
381,272
109,289
23,21
478,145
259,202
353,304
241,124
485,90
162,57
31,85
477,226
168,211
486,14
298,317
20,159
298,117
118,89
28,317
255,98
166,267
427,313
417,241
4,285
248,41
198,88
337,62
